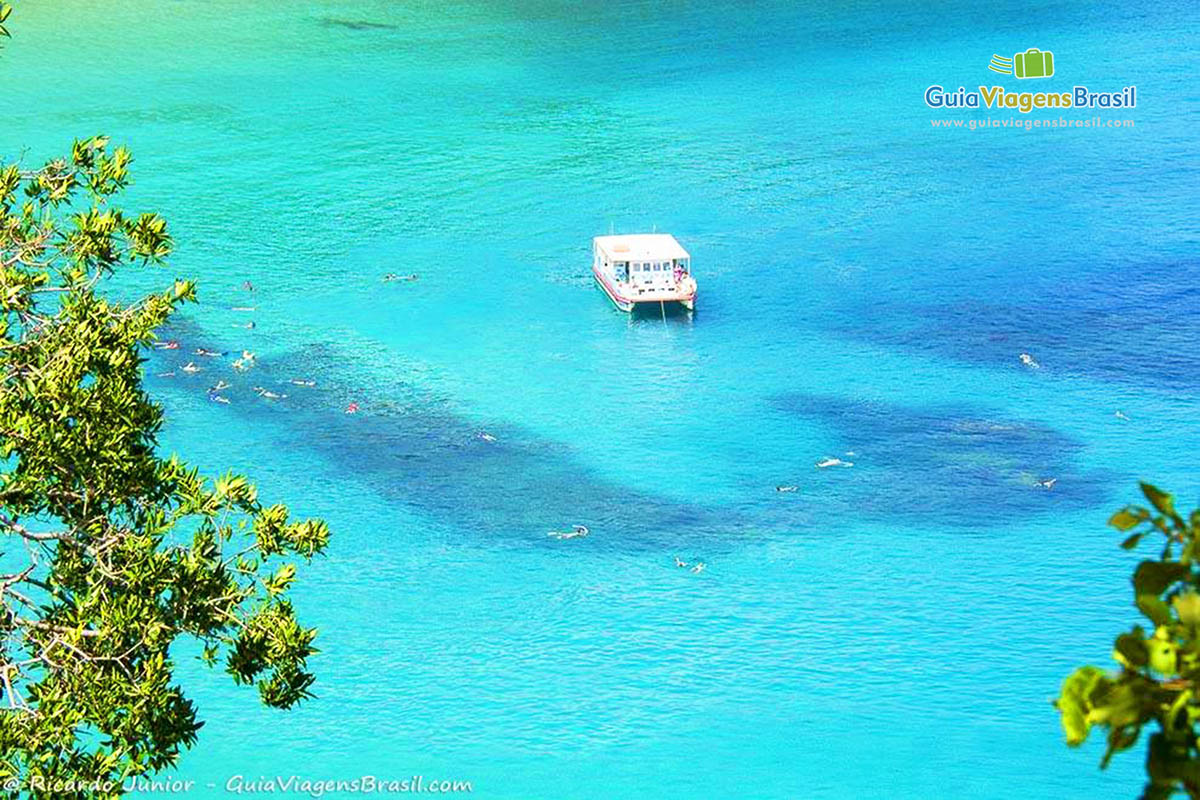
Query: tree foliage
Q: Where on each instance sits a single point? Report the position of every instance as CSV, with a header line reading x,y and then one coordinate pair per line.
x,y
109,553
1159,681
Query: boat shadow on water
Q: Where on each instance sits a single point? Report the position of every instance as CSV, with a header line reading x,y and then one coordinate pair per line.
x,y
675,311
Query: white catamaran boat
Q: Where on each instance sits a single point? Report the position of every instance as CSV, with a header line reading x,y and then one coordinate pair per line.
x,y
643,268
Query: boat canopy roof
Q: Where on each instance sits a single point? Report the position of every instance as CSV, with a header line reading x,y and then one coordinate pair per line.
x,y
641,247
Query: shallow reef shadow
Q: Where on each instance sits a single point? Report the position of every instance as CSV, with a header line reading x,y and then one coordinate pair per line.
x,y
358,24
1137,327
413,449
956,466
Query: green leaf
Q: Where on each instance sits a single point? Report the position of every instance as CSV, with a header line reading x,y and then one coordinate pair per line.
x,y
1125,519
1130,650
1159,499
1150,580
1187,607
1074,704
1132,541
1153,608
1153,577
1119,739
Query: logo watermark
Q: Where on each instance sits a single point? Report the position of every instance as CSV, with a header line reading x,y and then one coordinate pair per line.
x,y
1025,102
1031,63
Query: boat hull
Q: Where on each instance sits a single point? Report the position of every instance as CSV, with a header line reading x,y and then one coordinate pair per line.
x,y
617,300
628,304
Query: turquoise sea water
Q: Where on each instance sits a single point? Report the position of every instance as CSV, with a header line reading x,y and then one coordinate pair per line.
x,y
895,629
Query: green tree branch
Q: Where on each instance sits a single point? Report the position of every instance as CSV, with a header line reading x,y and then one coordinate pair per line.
x,y
1160,665
123,551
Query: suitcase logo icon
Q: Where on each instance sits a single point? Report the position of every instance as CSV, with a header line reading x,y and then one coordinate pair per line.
x,y
1033,63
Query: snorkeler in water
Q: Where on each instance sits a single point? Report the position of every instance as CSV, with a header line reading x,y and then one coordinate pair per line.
x,y
576,532
245,362
833,462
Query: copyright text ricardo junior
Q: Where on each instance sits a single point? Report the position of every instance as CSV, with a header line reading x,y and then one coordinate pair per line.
x,y
251,785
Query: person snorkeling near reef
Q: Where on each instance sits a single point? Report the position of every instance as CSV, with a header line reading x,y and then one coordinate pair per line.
x,y
247,286
352,408
203,351
245,362
170,344
576,532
